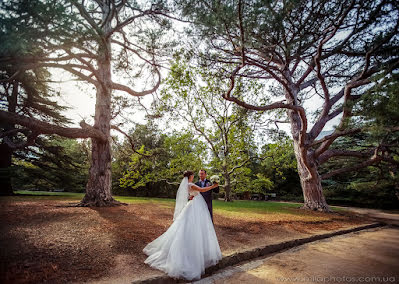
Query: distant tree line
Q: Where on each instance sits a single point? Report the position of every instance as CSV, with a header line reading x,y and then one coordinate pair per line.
x,y
155,170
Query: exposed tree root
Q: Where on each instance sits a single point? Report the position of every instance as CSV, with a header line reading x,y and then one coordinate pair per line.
x,y
100,203
317,207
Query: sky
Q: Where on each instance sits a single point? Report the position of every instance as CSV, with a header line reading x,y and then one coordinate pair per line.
x,y
81,99
81,103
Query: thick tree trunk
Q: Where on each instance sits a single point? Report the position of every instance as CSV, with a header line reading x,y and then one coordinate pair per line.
x,y
227,185
5,150
98,188
227,189
311,184
5,170
307,166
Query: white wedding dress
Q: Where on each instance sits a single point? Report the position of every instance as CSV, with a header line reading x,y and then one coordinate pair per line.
x,y
190,244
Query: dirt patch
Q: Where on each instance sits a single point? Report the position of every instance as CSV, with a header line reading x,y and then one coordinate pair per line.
x,y
49,241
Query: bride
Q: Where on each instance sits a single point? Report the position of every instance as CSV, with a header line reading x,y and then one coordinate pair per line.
x,y
190,244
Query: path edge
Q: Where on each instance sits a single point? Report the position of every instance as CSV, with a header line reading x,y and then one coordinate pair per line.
x,y
262,251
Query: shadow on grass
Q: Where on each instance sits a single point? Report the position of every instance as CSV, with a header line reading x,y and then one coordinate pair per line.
x,y
40,246
132,231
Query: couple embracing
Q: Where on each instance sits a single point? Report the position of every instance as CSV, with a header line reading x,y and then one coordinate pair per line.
x,y
190,244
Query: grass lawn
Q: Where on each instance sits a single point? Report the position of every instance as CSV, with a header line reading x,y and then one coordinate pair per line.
x,y
249,210
245,206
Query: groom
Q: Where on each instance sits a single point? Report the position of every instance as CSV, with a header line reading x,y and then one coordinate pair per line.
x,y
203,182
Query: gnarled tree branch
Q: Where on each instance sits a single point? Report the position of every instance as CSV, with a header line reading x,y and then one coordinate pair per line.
x,y
41,127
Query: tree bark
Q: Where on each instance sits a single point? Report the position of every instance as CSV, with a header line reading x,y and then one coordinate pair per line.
x,y
5,150
311,187
98,188
5,170
310,181
227,184
227,189
306,163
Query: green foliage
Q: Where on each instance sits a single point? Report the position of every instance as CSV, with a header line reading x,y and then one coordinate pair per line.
x,y
192,95
278,159
278,163
185,152
261,184
141,170
58,163
161,159
379,107
377,185
26,27
136,168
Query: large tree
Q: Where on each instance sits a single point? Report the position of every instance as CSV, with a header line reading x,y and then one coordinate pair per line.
x,y
190,96
91,40
25,94
22,92
329,51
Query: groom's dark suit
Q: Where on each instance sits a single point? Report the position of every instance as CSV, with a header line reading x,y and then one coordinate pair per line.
x,y
208,194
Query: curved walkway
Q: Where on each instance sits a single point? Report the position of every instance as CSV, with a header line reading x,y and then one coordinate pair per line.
x,y
385,227
388,217
368,256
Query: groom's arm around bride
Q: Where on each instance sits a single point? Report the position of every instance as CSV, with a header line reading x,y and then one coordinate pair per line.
x,y
204,182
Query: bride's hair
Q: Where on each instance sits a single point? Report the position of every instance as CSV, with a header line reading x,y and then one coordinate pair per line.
x,y
188,173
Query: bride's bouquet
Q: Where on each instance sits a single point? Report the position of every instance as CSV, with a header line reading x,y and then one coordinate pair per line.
x,y
215,179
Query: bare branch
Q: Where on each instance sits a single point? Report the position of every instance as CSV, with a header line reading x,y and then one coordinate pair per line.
x,y
373,160
241,31
336,135
47,128
135,52
70,68
129,139
343,153
239,166
29,141
129,20
87,17
12,77
128,90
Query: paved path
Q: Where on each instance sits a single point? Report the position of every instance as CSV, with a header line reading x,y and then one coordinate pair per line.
x,y
368,253
375,214
386,216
